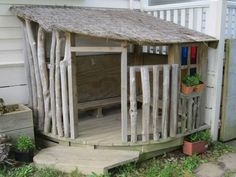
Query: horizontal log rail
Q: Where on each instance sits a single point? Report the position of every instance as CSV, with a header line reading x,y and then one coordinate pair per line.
x,y
97,49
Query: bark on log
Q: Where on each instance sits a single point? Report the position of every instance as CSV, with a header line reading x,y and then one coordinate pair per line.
x,y
32,77
52,83
44,78
133,105
58,86
64,92
37,75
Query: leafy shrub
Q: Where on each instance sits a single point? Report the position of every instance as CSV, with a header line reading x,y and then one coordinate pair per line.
x,y
24,144
200,136
192,80
48,172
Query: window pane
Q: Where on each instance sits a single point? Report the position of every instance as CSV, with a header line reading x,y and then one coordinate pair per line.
x,y
193,71
184,72
194,55
184,57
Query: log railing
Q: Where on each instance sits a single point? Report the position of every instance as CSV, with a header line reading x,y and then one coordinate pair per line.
x,y
151,103
166,112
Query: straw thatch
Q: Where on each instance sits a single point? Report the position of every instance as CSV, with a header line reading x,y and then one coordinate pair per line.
x,y
118,24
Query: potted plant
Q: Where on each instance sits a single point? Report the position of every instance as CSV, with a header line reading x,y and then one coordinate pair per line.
x,y
187,85
192,83
197,143
24,149
198,84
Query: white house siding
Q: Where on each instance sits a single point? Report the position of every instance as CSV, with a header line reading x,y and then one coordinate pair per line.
x,y
13,83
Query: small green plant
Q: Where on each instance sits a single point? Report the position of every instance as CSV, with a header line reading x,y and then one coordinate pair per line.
x,y
48,172
200,136
24,144
193,80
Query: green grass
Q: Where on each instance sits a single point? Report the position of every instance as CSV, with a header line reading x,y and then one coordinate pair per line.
x,y
169,165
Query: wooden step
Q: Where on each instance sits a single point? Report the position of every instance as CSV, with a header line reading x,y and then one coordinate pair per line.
x,y
67,159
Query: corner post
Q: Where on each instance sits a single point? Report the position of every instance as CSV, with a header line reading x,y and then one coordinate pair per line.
x,y
124,89
72,88
215,27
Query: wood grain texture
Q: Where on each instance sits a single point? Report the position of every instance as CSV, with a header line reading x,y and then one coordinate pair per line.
x,y
174,99
52,82
146,103
58,86
155,109
165,112
40,104
72,88
124,94
44,78
133,105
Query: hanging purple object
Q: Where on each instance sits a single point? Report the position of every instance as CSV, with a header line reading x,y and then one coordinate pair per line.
x,y
184,57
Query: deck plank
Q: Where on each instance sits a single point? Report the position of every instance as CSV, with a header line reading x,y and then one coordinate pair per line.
x,y
84,159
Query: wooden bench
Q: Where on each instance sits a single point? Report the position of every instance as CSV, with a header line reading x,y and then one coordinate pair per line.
x,y
99,105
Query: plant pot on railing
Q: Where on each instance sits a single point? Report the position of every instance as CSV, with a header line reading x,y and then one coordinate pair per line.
x,y
192,84
24,149
187,90
196,143
200,87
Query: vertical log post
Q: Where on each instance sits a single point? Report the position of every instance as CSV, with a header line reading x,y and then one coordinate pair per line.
x,y
155,112
37,75
189,114
146,103
58,86
32,77
72,88
124,88
44,78
52,82
27,67
174,100
64,91
165,107
133,105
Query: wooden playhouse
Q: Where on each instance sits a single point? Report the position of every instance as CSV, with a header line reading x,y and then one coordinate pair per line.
x,y
91,84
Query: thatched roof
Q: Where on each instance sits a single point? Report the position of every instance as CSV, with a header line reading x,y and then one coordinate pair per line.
x,y
117,24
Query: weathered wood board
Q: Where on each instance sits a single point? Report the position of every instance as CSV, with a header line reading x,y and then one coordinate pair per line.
x,y
17,123
98,76
228,128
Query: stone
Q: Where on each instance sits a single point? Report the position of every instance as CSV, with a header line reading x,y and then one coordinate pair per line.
x,y
229,161
209,170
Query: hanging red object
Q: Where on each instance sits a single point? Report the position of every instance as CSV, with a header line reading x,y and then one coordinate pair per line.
x,y
194,55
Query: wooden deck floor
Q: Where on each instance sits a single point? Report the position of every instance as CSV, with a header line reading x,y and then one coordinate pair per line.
x,y
106,130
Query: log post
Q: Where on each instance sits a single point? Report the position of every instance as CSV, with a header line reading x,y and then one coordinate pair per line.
x,y
37,75
156,73
27,68
146,103
58,86
72,88
133,105
165,108
64,91
124,88
174,100
44,78
52,82
32,77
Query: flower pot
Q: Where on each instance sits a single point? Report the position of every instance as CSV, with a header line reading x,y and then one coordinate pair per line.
x,y
186,90
190,148
24,156
199,88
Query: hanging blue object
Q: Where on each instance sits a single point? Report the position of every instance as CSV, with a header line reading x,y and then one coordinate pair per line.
x,y
184,57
